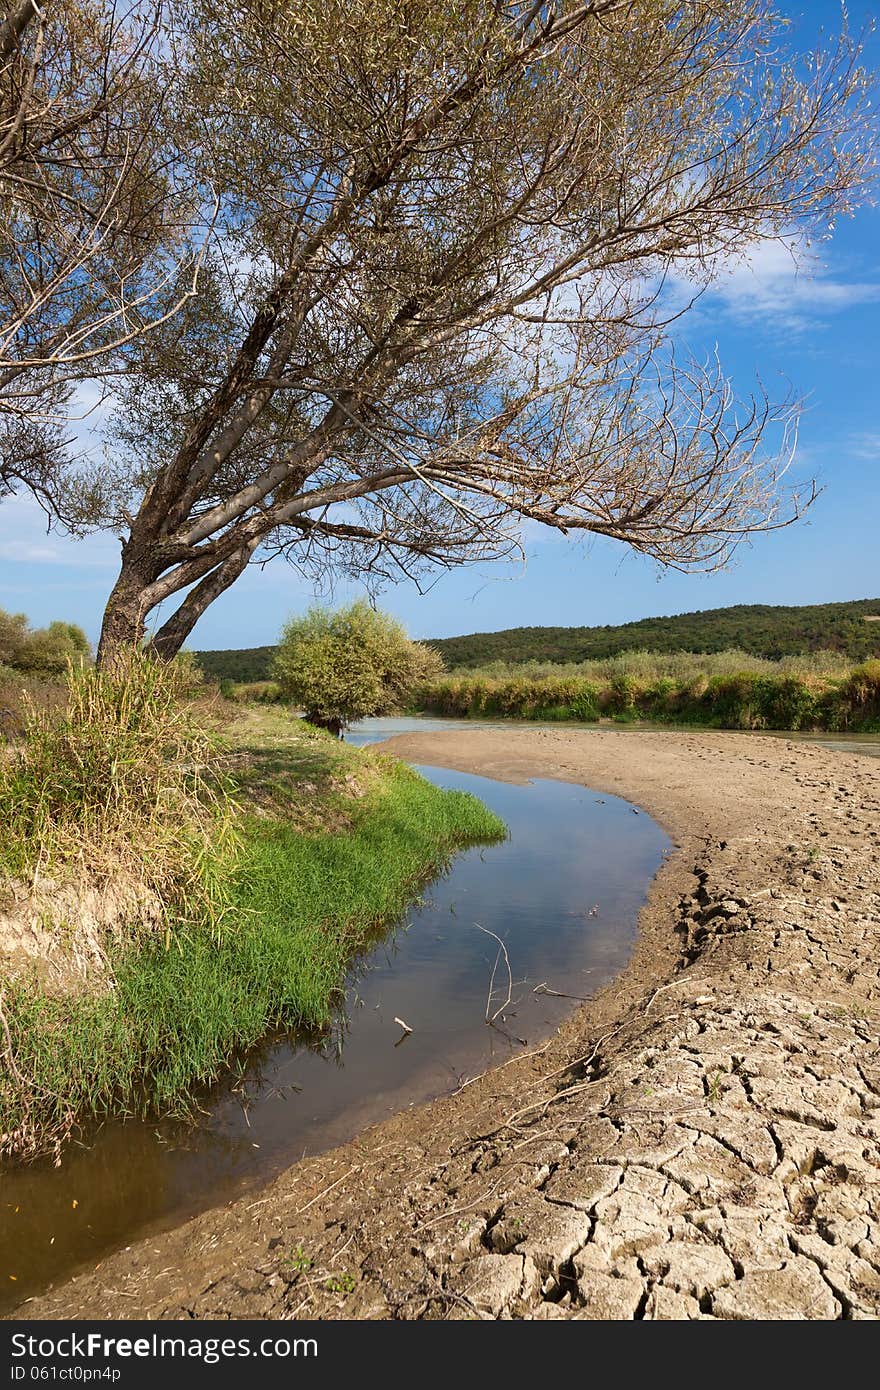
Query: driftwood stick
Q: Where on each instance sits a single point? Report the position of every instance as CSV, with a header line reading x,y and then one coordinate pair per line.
x,y
502,950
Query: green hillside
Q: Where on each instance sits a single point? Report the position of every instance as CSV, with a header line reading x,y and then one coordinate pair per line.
x,y
757,628
241,664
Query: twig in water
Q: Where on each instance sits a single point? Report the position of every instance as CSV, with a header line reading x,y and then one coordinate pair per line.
x,y
405,1034
524,1057
544,988
506,1033
406,1031
502,950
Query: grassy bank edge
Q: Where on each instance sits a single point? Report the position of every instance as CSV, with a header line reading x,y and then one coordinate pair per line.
x,y
306,902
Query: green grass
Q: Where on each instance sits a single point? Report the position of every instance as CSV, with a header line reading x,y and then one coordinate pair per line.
x,y
305,902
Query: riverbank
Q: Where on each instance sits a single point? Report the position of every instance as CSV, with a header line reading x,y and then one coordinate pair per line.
x,y
701,1140
724,691
332,844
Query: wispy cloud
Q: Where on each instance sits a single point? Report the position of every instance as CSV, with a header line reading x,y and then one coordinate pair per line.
x,y
865,445
782,286
780,281
30,554
25,540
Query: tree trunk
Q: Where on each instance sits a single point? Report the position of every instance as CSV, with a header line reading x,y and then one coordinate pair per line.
x,y
132,598
17,19
171,636
331,724
123,623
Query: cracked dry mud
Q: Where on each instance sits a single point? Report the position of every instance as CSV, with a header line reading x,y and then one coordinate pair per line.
x,y
700,1141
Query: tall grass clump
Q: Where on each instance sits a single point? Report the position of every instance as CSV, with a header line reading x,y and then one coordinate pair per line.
x,y
860,697
21,692
259,692
117,783
647,666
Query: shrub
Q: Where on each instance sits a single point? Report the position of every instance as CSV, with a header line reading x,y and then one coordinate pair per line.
x,y
863,686
660,697
859,697
42,651
788,703
13,638
478,696
732,701
584,704
622,694
554,713
350,664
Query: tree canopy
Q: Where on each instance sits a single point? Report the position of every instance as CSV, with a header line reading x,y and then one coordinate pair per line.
x,y
852,629
433,242
93,249
350,664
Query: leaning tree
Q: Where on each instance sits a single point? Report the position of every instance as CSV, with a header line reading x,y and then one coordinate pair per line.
x,y
433,306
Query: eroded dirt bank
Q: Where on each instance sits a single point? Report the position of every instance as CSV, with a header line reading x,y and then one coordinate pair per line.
x,y
699,1141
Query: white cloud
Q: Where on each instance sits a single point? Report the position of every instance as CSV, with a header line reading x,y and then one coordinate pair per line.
x,y
30,554
25,539
865,445
92,401
782,284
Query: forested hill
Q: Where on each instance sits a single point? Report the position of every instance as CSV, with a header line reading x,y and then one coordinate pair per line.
x,y
756,628
243,664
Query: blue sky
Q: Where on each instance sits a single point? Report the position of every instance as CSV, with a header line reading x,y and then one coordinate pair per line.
x,y
817,330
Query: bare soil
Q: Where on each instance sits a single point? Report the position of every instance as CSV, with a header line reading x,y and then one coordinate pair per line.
x,y
699,1141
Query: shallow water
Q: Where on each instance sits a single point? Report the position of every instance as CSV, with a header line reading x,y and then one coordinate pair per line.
x,y
563,893
867,744
373,730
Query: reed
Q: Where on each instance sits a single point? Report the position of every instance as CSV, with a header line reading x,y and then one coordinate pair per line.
x,y
728,690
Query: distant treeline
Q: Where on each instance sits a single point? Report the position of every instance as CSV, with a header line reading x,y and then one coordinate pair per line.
x,y
756,628
245,665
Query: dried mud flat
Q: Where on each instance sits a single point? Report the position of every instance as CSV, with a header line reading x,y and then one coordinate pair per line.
x,y
700,1141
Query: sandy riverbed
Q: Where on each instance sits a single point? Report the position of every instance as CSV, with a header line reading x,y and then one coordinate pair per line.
x,y
701,1140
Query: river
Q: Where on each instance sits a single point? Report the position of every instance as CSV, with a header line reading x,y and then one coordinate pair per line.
x,y
563,894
